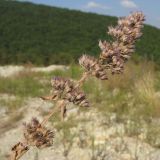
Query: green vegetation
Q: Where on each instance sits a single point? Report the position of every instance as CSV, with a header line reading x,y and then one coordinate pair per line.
x,y
34,84
45,35
133,97
137,88
139,85
24,86
12,104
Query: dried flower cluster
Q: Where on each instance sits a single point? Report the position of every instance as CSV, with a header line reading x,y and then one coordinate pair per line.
x,y
91,65
18,150
126,33
66,89
114,54
37,135
111,60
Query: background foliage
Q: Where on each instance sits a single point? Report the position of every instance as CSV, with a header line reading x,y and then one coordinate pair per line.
x,y
45,35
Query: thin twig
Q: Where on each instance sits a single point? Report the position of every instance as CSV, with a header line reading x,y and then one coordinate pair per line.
x,y
58,106
82,79
16,155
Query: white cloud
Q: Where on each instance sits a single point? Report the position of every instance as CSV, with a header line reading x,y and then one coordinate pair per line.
x,y
128,4
95,5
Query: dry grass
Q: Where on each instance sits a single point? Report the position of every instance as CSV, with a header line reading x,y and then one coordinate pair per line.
x,y
11,122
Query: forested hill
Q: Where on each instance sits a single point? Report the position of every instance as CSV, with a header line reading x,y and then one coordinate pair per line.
x,y
47,35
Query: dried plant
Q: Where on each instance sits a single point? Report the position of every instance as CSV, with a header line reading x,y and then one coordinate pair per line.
x,y
66,89
93,67
111,60
18,150
37,135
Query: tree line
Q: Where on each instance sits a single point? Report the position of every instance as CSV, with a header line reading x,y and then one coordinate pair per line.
x,y
46,35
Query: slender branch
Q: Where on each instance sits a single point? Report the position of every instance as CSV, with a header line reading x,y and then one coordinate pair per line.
x,y
20,155
20,151
52,97
58,106
85,75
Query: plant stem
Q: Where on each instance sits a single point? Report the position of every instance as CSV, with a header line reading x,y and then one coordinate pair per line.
x,y
46,119
82,79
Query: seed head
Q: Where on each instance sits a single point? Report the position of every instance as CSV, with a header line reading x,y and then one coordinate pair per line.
x,y
66,89
77,98
128,30
37,135
92,65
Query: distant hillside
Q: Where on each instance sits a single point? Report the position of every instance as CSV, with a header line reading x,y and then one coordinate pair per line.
x,y
47,35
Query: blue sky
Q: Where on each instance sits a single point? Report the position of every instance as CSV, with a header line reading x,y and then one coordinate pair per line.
x,y
151,8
